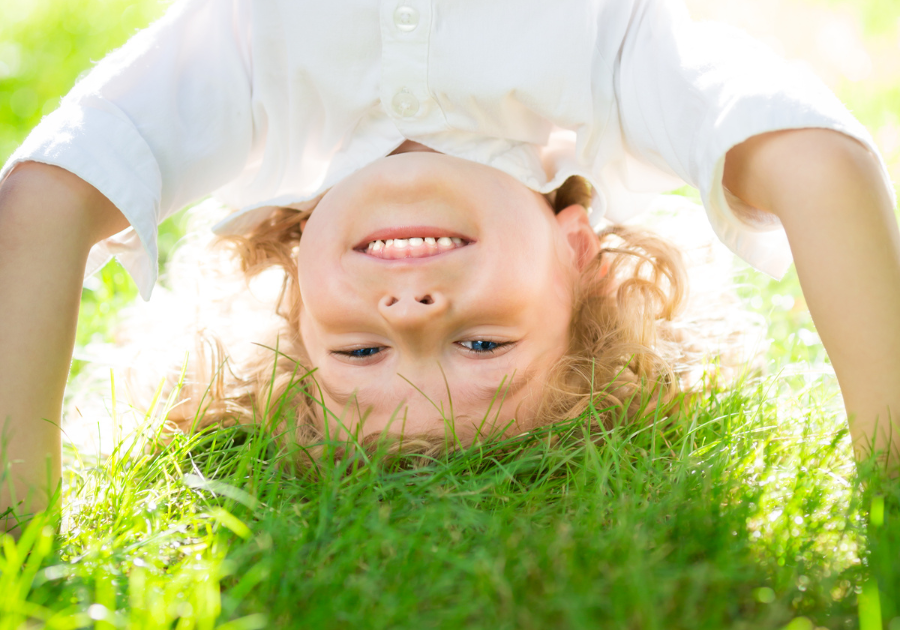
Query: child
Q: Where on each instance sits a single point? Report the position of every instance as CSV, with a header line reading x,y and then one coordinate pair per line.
x,y
300,107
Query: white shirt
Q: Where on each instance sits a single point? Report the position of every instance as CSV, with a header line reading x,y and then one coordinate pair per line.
x,y
271,102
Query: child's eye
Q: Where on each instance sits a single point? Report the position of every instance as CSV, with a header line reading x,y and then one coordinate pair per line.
x,y
482,346
361,353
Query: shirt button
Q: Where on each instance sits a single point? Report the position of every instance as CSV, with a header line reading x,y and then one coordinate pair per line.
x,y
406,19
405,104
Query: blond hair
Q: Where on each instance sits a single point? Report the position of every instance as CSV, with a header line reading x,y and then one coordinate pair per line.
x,y
620,354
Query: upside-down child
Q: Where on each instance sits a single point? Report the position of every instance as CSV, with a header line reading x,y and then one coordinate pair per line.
x,y
431,176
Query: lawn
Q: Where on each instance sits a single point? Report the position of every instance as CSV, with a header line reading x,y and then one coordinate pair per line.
x,y
744,511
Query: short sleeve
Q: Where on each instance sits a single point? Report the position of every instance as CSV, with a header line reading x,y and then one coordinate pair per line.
x,y
688,92
157,124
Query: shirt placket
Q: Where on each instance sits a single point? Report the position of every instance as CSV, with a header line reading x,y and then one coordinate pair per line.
x,y
405,32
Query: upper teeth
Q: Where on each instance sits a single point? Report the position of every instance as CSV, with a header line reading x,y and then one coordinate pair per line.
x,y
422,246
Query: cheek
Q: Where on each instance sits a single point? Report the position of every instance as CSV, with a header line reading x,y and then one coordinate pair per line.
x,y
311,339
530,280
330,307
320,286
561,283
549,303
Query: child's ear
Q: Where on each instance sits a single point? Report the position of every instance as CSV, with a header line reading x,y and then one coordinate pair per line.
x,y
577,230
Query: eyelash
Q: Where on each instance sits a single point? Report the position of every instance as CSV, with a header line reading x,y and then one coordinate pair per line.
x,y
366,352
350,353
497,345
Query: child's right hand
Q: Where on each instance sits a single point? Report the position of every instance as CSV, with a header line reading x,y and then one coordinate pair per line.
x,y
49,219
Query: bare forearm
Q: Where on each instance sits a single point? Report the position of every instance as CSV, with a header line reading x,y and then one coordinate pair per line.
x,y
836,209
45,236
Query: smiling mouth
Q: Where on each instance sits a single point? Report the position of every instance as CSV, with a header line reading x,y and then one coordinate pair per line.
x,y
404,243
395,248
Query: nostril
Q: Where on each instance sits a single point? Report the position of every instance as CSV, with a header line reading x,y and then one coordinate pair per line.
x,y
392,301
426,300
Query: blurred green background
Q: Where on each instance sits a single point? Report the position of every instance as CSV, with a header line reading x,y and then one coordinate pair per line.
x,y
45,45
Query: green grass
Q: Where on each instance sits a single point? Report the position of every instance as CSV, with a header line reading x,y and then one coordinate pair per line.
x,y
737,514
747,511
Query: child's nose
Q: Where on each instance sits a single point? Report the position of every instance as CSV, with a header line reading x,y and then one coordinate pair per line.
x,y
411,310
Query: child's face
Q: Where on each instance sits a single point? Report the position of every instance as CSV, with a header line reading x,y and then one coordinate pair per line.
x,y
397,335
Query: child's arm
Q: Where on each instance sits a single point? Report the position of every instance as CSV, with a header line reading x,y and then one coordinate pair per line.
x,y
49,219
830,194
159,123
700,99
